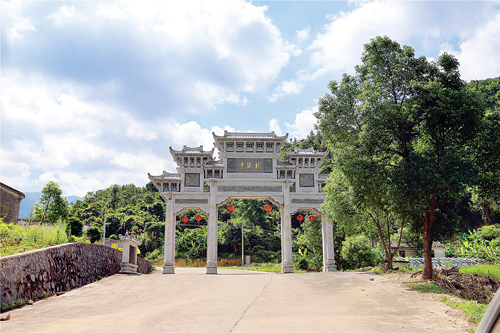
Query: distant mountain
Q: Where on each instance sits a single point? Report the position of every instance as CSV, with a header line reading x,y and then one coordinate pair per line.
x,y
31,198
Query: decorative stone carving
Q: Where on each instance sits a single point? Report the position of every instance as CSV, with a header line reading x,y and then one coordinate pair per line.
x,y
247,188
191,201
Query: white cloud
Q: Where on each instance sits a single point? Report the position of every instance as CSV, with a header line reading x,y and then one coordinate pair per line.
x,y
291,87
274,126
303,34
110,11
17,31
479,55
63,15
303,125
339,48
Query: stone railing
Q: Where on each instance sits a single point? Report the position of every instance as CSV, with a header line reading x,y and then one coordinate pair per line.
x,y
34,274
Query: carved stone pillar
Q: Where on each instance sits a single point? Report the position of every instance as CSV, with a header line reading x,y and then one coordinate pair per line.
x,y
286,232
169,251
328,246
212,236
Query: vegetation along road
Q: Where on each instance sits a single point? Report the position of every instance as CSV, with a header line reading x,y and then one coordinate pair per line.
x,y
239,301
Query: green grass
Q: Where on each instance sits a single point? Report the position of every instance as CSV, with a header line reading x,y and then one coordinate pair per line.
x,y
475,311
265,267
483,270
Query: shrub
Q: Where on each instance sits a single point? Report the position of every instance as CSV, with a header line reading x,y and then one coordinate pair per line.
x,y
74,226
303,264
94,233
357,251
488,232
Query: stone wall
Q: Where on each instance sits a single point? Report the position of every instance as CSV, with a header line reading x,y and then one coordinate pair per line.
x,y
58,268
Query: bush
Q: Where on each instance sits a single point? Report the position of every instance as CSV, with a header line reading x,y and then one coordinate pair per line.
x,y
488,233
74,227
358,252
303,264
94,233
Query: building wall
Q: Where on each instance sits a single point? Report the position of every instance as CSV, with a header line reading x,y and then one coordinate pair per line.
x,y
9,207
58,268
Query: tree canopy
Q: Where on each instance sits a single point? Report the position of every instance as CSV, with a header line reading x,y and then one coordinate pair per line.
x,y
401,130
51,206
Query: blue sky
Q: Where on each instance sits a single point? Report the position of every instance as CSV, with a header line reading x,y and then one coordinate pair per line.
x,y
94,93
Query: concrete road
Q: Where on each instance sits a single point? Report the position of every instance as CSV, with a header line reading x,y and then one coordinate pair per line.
x,y
237,301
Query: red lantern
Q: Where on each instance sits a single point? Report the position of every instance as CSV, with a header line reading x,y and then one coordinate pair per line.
x,y
312,218
198,219
185,219
300,218
230,208
268,208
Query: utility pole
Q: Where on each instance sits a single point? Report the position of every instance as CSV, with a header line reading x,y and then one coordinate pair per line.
x,y
104,228
242,247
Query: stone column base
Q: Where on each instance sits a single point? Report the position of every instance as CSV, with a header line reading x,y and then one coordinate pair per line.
x,y
211,267
330,268
128,268
170,269
287,268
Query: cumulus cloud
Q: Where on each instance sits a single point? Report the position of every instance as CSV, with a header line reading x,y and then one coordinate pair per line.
x,y
274,126
303,34
154,62
49,132
18,29
63,15
479,55
339,47
303,125
291,87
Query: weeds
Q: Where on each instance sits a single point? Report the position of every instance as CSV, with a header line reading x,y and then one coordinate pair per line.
x,y
475,311
428,288
16,239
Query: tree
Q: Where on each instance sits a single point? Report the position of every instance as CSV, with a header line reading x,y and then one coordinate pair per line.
x,y
74,226
51,206
94,233
413,122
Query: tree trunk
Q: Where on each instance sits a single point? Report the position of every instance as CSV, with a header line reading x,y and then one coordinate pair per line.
x,y
427,272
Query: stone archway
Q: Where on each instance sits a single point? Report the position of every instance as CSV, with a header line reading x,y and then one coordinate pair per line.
x,y
249,167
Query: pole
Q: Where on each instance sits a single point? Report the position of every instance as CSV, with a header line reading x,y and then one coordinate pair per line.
x,y
104,227
242,247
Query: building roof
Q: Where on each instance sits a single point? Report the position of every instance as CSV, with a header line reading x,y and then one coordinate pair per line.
x,y
406,246
250,136
165,176
11,189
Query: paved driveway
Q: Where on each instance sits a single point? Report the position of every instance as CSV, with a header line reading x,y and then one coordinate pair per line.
x,y
237,301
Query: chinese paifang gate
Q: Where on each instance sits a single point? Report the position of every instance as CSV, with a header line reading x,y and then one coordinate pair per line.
x,y
249,167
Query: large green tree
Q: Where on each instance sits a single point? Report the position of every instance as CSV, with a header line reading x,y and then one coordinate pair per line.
x,y
411,121
51,206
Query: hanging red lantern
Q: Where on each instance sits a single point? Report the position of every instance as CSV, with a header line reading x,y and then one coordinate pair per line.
x,y
198,219
268,208
230,208
312,218
300,218
185,219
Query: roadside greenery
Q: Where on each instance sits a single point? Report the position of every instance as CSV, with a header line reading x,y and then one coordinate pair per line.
x,y
17,238
475,311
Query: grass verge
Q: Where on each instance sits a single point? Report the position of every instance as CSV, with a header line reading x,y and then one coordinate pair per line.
x,y
475,311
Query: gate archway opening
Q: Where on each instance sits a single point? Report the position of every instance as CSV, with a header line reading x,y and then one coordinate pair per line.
x,y
249,167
